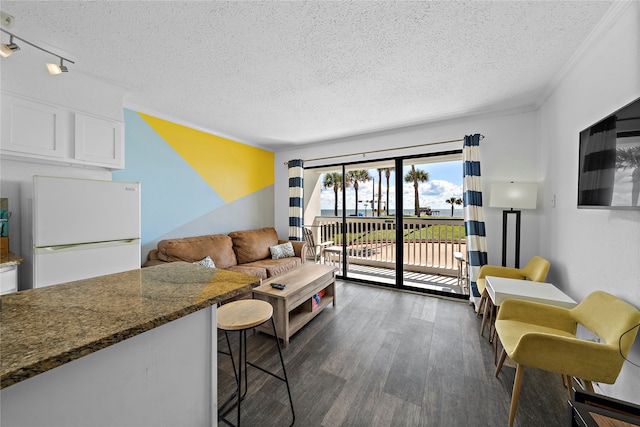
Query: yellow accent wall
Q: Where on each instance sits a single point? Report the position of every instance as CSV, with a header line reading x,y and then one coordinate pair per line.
x,y
232,169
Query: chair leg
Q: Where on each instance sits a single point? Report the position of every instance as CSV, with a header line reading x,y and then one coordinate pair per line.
x,y
588,385
569,384
503,356
515,396
487,317
483,299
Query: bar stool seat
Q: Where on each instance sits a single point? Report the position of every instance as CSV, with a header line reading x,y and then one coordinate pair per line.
x,y
241,316
244,314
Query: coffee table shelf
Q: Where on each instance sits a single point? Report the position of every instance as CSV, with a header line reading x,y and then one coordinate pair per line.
x,y
293,306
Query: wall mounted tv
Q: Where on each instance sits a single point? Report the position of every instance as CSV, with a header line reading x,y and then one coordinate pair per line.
x,y
609,163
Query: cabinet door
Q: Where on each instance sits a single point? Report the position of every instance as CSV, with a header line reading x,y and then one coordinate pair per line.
x,y
33,128
8,279
99,141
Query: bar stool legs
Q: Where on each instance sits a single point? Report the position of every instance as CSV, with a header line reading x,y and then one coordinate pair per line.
x,y
241,316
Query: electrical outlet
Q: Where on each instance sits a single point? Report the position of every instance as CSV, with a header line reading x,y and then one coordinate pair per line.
x,y
7,20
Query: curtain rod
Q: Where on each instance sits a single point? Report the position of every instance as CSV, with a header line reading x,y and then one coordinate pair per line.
x,y
385,149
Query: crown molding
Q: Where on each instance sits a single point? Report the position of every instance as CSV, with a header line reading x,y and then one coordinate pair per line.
x,y
182,122
608,20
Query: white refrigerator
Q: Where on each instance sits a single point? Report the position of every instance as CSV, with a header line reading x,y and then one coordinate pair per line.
x,y
84,228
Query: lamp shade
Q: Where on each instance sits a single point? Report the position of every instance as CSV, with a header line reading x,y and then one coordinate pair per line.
x,y
514,195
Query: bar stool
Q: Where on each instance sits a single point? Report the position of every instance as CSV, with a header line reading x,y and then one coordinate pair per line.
x,y
241,316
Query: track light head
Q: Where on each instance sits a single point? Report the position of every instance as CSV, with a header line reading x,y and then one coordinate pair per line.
x,y
57,69
7,49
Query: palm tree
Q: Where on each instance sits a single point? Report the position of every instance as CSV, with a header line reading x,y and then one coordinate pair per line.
x,y
630,158
458,203
416,176
387,174
451,200
333,180
355,178
379,190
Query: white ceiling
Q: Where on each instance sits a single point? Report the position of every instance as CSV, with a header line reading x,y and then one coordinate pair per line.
x,y
278,74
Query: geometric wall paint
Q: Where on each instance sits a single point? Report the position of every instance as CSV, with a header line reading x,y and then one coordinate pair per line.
x,y
231,168
185,173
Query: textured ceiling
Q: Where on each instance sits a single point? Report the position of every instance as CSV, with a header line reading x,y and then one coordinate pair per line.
x,y
284,73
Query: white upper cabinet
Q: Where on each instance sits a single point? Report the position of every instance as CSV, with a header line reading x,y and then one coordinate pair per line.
x,y
99,141
38,131
33,128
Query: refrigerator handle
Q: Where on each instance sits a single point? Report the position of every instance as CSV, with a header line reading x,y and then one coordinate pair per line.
x,y
85,246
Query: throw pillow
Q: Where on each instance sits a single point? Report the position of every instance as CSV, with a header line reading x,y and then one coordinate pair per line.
x,y
284,250
206,261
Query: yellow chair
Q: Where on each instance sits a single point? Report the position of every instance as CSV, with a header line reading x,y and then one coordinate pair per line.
x,y
544,337
536,270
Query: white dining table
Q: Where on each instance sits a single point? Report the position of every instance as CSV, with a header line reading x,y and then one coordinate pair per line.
x,y
501,288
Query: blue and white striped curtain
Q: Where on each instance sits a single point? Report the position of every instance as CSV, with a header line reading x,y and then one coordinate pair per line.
x,y
296,198
473,212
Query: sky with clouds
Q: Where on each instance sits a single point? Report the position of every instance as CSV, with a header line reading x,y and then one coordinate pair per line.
x,y
445,181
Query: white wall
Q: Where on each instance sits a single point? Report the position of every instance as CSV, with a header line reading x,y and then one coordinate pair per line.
x,y
312,189
589,249
510,151
592,248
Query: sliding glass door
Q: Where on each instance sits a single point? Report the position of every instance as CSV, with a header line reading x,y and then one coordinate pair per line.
x,y
366,220
433,237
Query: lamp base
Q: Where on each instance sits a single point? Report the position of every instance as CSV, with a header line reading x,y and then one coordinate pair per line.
x,y
505,214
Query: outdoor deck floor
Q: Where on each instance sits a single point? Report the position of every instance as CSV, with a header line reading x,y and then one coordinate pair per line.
x,y
413,279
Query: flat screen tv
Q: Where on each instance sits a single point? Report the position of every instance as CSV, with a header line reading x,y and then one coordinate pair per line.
x,y
609,162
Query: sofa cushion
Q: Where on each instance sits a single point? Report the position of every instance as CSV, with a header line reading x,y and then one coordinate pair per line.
x,y
276,266
190,249
257,271
253,245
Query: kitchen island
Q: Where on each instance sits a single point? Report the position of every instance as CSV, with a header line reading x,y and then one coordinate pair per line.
x,y
133,348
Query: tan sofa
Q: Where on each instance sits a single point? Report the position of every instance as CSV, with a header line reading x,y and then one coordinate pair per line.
x,y
241,251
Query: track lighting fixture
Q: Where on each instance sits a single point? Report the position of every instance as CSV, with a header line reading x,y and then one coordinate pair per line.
x,y
9,48
57,69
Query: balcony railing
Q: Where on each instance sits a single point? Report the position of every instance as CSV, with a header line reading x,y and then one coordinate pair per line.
x,y
428,243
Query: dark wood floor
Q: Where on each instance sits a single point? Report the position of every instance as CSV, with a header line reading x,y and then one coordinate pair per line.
x,y
388,358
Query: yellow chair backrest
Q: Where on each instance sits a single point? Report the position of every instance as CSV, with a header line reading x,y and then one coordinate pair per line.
x,y
536,269
608,317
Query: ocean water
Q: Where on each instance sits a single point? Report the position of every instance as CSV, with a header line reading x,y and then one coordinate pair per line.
x,y
409,212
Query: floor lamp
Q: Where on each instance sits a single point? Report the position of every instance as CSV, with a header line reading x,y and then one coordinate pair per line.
x,y
515,196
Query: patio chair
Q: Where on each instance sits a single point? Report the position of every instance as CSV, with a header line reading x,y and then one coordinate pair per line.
x,y
544,337
319,252
314,251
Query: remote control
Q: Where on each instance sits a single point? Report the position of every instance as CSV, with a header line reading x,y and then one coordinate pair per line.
x,y
277,286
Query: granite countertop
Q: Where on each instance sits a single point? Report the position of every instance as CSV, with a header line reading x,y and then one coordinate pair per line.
x,y
41,329
12,260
